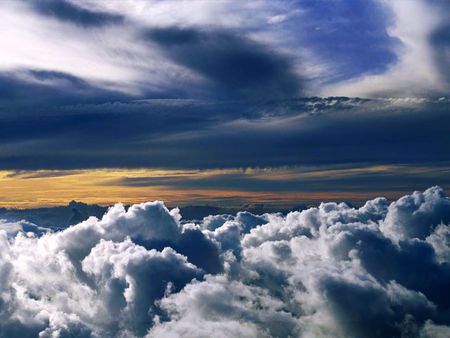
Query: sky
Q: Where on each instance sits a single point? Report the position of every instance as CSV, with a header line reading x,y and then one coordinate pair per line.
x,y
222,102
264,168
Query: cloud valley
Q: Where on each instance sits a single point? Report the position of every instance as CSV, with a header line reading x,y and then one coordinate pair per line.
x,y
327,271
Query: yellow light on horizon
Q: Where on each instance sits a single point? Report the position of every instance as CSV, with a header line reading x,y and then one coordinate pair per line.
x,y
39,188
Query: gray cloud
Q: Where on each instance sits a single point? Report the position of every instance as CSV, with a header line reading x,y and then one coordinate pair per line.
x,y
163,47
206,134
67,11
332,270
340,178
439,39
237,66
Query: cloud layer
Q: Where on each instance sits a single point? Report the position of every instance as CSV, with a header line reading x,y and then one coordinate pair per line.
x,y
95,84
217,134
380,270
320,47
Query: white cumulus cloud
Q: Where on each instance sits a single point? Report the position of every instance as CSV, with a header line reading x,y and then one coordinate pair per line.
x,y
328,271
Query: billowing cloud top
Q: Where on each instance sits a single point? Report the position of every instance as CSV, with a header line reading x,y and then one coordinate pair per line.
x,y
330,271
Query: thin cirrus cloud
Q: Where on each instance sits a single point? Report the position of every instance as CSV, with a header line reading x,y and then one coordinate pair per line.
x,y
421,32
309,51
264,189
66,11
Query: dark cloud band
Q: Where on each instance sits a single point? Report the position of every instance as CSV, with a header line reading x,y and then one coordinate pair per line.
x,y
234,65
69,12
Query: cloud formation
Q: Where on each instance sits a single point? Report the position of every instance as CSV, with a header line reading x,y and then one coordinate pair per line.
x,y
236,66
350,48
333,270
66,11
220,134
94,84
420,30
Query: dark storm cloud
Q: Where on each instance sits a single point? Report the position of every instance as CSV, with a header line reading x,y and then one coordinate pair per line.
x,y
234,65
32,104
56,120
27,90
67,11
69,124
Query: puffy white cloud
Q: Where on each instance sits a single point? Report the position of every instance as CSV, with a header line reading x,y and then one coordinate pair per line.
x,y
129,279
223,308
416,215
329,271
430,330
440,240
212,222
13,228
91,278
